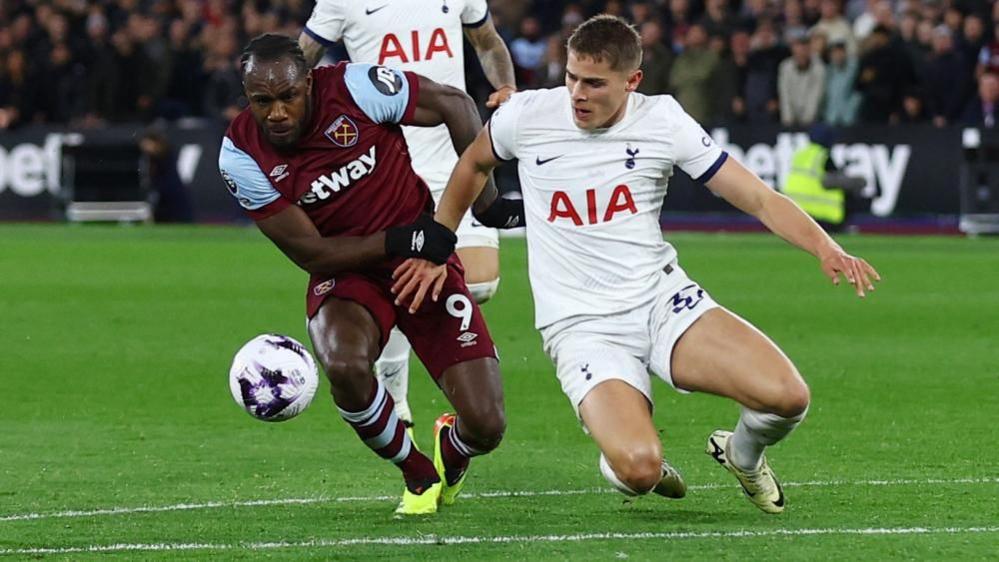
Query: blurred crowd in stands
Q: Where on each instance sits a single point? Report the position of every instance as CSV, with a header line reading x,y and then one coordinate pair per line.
x,y
794,62
89,62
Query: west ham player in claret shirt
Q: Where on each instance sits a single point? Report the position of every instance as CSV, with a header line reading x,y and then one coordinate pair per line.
x,y
611,301
319,161
423,36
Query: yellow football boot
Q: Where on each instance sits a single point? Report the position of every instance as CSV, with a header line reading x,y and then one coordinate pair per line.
x,y
450,491
423,503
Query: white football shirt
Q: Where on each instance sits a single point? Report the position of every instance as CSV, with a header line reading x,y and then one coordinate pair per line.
x,y
416,35
593,198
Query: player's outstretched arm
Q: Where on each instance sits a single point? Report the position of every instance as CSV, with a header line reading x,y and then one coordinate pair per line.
x,y
416,278
743,189
495,60
470,182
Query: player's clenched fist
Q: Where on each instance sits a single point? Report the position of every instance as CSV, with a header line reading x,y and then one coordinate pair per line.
x,y
425,238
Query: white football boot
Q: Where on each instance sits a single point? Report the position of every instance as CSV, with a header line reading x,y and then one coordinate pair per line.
x,y
761,486
672,484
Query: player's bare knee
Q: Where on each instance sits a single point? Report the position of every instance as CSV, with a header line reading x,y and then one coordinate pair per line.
x,y
786,393
796,400
484,429
640,469
793,399
349,375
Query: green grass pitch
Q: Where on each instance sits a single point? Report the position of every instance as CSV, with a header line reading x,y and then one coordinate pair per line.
x,y
117,428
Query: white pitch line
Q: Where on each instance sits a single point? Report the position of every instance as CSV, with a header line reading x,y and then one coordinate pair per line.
x,y
437,540
471,496
188,506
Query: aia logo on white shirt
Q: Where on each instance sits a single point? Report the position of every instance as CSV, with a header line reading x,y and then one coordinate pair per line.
x,y
419,48
621,201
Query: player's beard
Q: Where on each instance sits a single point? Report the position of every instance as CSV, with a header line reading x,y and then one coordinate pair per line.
x,y
285,142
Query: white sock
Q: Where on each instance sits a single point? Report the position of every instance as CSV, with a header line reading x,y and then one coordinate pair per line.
x,y
755,432
392,369
484,291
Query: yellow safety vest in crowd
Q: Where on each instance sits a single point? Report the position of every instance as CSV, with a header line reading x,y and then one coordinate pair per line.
x,y
804,185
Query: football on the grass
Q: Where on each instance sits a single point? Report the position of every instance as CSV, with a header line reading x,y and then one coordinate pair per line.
x,y
273,377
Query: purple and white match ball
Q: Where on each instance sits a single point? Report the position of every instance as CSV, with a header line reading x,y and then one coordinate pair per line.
x,y
273,377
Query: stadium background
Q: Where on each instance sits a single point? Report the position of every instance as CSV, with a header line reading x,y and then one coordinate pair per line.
x,y
910,84
118,432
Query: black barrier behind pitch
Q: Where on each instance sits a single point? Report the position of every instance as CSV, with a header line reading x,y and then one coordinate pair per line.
x,y
911,170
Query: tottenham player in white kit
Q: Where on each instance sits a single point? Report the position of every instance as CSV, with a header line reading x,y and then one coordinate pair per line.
x,y
611,301
423,37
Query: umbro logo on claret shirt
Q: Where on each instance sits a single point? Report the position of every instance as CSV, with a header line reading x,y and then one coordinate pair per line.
x,y
279,172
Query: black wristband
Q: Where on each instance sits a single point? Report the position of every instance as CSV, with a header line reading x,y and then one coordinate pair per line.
x,y
426,239
503,213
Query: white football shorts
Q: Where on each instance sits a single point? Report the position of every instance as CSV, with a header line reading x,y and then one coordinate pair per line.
x,y
590,349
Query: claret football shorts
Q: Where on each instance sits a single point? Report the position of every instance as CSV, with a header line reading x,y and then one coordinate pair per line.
x,y
443,333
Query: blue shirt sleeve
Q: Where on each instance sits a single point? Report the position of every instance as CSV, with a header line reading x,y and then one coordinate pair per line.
x,y
243,177
381,92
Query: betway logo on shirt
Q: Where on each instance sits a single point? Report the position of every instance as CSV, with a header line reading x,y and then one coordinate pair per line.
x,y
339,180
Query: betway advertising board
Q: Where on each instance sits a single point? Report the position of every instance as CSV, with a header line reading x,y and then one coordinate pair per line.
x,y
909,170
31,168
